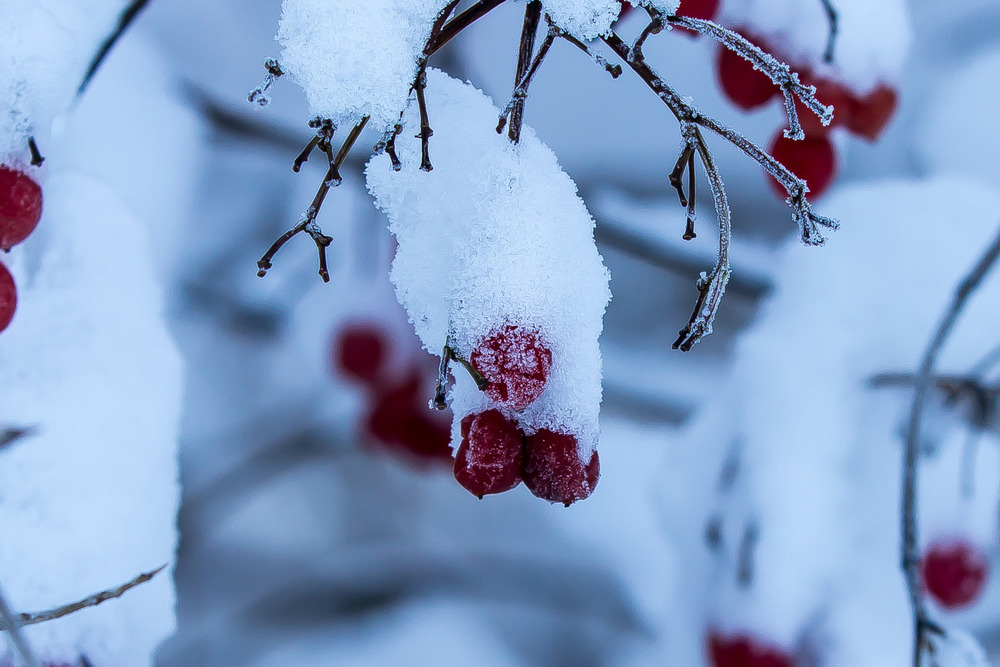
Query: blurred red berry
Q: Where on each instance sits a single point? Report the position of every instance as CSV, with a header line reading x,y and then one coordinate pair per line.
x,y
697,9
553,469
400,420
490,457
954,572
743,650
812,159
516,363
20,206
359,351
744,86
868,116
8,297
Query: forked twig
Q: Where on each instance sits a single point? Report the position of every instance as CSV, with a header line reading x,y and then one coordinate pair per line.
x,y
532,17
922,623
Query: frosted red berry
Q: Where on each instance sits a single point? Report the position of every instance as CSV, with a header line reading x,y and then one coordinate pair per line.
x,y
8,297
553,469
954,572
399,420
744,86
745,650
490,457
359,352
20,206
813,159
868,116
516,363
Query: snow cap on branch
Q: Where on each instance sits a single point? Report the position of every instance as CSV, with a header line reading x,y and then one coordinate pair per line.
x,y
355,59
496,234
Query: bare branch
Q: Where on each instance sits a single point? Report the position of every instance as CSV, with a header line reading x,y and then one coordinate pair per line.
x,y
460,23
532,16
126,19
910,554
12,625
831,15
308,221
258,95
521,89
89,601
613,69
808,222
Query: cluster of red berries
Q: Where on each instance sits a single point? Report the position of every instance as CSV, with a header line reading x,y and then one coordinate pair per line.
x,y
397,416
954,572
814,159
20,211
495,455
744,650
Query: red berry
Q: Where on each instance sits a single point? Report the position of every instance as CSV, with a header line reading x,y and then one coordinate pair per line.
x,y
553,469
516,363
20,206
490,456
744,650
812,159
697,9
744,86
830,93
868,116
399,419
8,297
954,573
359,351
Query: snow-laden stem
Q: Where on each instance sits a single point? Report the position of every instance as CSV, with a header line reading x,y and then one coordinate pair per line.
x,y
8,436
532,16
910,560
89,601
308,222
10,623
521,89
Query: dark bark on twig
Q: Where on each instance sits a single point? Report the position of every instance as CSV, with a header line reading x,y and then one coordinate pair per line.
x,y
532,17
308,222
258,95
613,69
521,89
910,554
460,23
124,21
36,155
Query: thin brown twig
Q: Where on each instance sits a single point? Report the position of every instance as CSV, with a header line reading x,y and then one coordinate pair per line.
x,y
521,89
308,222
258,95
532,17
910,560
89,601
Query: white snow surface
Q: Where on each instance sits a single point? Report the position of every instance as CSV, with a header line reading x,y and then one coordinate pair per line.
x,y
45,49
496,234
819,449
872,40
584,19
90,501
355,59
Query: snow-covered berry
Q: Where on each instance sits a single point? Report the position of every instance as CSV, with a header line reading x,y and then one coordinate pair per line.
x,y
490,457
8,297
553,469
20,206
745,650
516,362
954,572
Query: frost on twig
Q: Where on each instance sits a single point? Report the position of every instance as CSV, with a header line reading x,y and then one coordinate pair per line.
x,y
12,625
258,95
33,618
923,626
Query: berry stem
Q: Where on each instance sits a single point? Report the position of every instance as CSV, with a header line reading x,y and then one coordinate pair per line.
x,y
910,557
36,155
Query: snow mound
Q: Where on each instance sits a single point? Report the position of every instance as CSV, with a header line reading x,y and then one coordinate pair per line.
x,y
90,501
496,235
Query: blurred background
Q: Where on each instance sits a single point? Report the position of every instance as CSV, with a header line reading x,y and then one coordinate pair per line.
x,y
304,538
